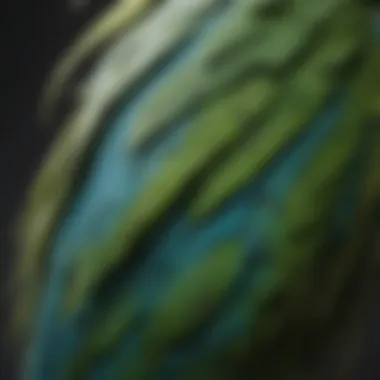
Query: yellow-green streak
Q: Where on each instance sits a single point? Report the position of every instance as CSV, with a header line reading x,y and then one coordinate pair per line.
x,y
307,92
111,22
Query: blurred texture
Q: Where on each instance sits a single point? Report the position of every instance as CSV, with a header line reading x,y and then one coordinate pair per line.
x,y
209,199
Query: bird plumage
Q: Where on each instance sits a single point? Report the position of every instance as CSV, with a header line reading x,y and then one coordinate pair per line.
x,y
209,194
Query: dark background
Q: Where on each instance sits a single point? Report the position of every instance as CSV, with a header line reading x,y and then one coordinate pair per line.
x,y
33,33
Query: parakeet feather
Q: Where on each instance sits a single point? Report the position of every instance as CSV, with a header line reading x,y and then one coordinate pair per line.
x,y
181,222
